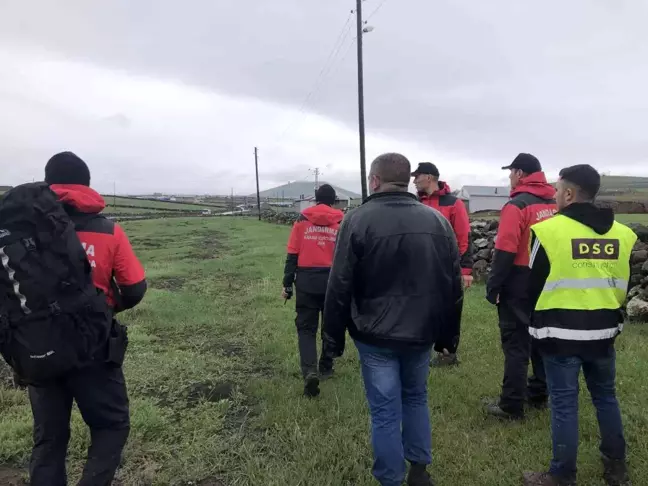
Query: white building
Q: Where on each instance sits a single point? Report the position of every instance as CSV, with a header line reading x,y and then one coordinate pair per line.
x,y
484,198
302,190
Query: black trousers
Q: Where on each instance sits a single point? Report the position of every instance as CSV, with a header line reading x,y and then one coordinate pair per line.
x,y
518,347
309,307
100,394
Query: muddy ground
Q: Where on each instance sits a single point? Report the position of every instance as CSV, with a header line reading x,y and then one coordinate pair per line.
x,y
13,477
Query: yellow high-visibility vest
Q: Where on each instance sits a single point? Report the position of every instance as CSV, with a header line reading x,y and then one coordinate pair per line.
x,y
588,271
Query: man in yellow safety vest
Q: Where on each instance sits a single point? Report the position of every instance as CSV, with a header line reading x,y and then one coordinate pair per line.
x,y
580,271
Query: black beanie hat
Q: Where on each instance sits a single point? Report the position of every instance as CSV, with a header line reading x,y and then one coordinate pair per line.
x,y
325,194
67,168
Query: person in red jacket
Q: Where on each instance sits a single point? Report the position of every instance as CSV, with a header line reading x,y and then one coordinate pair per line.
x,y
532,201
437,194
99,389
310,255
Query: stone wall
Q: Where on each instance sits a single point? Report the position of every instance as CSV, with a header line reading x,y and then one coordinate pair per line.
x,y
279,217
483,237
484,233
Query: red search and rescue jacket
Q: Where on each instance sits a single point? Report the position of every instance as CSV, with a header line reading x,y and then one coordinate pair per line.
x,y
454,210
531,201
311,247
109,252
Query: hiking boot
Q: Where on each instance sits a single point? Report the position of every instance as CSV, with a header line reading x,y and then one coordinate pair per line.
x,y
444,360
615,472
545,479
418,476
495,410
326,374
311,386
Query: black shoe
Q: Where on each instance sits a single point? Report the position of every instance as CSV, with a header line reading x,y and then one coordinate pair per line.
x,y
326,374
495,410
615,472
311,386
418,476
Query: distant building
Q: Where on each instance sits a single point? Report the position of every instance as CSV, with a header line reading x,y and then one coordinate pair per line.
x,y
484,198
294,191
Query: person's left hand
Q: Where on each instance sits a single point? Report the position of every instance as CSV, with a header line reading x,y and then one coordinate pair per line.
x,y
467,281
284,294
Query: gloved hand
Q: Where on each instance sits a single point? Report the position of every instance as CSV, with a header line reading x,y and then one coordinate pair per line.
x,y
287,293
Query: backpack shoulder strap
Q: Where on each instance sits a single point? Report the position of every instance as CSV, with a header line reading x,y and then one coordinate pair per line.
x,y
91,222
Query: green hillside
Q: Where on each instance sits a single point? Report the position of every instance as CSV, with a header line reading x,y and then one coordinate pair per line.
x,y
153,204
625,188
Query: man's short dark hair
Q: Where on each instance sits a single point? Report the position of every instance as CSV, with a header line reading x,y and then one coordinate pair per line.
x,y
325,194
585,177
392,168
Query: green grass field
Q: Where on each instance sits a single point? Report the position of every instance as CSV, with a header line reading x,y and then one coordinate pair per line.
x,y
633,218
123,206
216,395
146,203
110,209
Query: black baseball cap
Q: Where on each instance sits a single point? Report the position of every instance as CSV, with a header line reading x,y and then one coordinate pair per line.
x,y
526,163
426,168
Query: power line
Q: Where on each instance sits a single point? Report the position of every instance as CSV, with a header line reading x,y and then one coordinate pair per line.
x,y
376,10
326,69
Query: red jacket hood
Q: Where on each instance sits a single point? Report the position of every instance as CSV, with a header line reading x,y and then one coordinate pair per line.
x,y
537,185
82,198
323,215
444,189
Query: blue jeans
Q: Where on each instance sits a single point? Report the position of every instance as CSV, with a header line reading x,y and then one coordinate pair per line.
x,y
562,380
396,387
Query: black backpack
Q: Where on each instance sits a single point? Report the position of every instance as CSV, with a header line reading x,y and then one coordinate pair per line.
x,y
52,317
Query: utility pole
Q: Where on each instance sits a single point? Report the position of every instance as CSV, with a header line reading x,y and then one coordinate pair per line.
x,y
361,121
256,168
114,194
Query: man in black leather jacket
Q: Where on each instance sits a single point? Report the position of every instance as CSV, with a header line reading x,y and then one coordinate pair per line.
x,y
395,312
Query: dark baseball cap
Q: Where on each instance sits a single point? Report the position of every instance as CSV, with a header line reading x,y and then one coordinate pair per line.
x,y
526,163
426,168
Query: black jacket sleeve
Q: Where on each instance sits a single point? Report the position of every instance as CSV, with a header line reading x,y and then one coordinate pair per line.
x,y
507,245
451,330
290,269
540,268
339,292
501,268
128,296
467,259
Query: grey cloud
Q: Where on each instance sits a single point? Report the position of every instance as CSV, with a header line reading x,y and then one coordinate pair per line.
x,y
480,80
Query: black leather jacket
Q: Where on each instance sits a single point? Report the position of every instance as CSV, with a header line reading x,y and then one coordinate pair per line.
x,y
396,277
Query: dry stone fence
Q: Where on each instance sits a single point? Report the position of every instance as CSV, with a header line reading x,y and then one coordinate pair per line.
x,y
483,246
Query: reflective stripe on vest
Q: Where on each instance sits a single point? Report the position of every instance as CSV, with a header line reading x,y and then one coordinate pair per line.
x,y
587,283
574,335
588,271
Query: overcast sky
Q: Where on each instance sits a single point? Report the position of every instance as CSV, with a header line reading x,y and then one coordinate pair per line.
x,y
173,96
